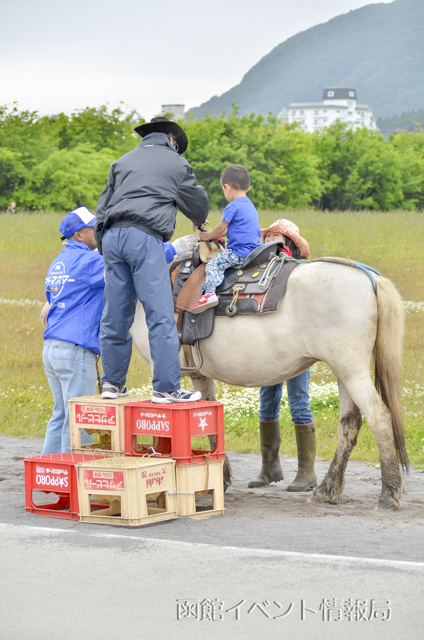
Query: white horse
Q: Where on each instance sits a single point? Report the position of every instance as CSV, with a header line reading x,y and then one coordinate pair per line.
x,y
328,313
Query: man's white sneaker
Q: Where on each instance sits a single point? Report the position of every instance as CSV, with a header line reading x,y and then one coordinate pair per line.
x,y
181,395
112,391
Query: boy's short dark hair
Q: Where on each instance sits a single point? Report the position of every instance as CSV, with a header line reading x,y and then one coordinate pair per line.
x,y
237,176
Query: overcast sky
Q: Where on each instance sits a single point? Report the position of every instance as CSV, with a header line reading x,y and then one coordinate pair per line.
x,y
60,56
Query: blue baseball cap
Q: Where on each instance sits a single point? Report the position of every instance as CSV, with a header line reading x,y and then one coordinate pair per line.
x,y
75,221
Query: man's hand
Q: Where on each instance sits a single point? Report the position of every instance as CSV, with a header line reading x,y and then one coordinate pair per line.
x,y
194,228
185,243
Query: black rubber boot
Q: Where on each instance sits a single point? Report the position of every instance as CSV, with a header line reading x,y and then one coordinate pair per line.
x,y
270,445
305,479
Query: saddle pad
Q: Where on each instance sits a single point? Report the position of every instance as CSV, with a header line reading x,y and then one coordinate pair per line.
x,y
275,292
192,290
197,327
259,304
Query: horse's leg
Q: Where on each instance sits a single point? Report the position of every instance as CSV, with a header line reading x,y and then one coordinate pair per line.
x,y
331,488
207,388
378,416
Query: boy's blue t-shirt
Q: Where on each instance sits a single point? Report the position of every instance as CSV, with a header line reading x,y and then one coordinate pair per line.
x,y
243,232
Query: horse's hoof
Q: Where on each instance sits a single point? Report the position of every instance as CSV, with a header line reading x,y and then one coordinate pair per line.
x,y
315,499
387,505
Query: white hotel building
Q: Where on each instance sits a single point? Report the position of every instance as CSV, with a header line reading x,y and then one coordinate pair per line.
x,y
337,104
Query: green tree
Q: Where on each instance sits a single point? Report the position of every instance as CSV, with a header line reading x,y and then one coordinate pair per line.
x,y
11,175
410,149
281,160
68,178
358,170
101,128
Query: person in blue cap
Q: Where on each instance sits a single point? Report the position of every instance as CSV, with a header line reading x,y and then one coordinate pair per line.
x,y
74,289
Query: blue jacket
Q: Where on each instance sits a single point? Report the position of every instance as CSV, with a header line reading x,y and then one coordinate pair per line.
x,y
74,290
169,252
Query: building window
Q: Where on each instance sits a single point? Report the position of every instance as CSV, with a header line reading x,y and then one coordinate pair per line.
x,y
352,94
316,112
325,110
316,121
330,94
293,113
302,113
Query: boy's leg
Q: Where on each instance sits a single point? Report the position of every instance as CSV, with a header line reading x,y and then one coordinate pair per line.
x,y
215,268
215,271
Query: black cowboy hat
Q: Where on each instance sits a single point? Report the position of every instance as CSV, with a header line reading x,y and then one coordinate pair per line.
x,y
163,125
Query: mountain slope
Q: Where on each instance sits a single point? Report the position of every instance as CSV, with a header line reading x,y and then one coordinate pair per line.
x,y
379,50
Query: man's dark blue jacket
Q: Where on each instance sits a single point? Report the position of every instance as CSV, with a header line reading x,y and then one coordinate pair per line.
x,y
144,188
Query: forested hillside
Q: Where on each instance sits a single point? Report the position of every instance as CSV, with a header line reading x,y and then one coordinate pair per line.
x,y
377,49
409,121
60,162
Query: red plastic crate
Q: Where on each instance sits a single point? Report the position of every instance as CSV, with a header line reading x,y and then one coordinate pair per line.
x,y
55,473
173,426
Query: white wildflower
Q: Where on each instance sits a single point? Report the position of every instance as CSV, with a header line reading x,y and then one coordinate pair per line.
x,y
21,302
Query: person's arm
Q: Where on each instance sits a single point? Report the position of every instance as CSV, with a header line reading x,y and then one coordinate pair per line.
x,y
43,314
94,273
191,198
219,231
169,252
102,205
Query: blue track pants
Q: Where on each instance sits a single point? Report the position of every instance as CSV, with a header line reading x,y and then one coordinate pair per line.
x,y
136,268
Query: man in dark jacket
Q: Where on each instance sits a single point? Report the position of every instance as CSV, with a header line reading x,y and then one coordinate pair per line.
x,y
136,213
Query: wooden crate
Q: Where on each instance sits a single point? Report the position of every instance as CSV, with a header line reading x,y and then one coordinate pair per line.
x,y
138,490
96,415
197,480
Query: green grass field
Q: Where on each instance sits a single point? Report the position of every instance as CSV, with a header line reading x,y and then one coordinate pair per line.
x,y
390,242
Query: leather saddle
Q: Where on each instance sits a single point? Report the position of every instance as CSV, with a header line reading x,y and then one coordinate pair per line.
x,y
251,281
251,271
188,272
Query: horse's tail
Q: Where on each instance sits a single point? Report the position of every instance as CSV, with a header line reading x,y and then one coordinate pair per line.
x,y
388,359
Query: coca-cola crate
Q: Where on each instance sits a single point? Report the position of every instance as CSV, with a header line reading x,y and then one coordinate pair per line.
x,y
200,489
174,430
138,490
54,474
105,418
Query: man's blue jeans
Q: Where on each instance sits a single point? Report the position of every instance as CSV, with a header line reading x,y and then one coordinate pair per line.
x,y
71,372
298,393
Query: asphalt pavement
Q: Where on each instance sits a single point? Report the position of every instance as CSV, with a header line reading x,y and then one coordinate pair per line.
x,y
273,564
